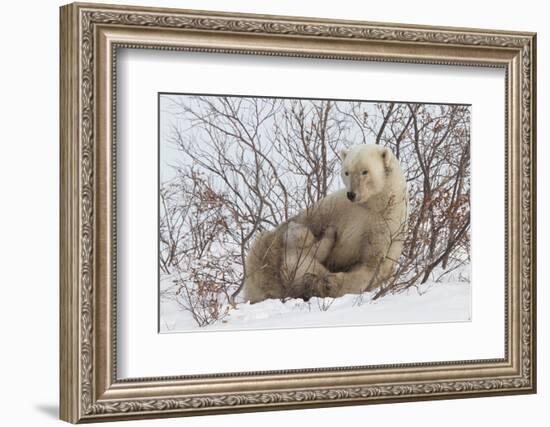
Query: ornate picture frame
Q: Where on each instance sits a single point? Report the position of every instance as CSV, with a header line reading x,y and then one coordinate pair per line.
x,y
90,37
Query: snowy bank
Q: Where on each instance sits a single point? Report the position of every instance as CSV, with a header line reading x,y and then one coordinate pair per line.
x,y
428,303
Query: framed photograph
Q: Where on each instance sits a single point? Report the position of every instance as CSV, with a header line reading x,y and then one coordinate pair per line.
x,y
267,212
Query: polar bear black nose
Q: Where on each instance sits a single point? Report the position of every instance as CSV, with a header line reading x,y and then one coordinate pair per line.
x,y
351,196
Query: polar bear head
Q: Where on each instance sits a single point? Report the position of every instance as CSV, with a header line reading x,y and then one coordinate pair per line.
x,y
365,170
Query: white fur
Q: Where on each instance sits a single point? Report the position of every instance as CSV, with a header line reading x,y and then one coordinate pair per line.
x,y
369,234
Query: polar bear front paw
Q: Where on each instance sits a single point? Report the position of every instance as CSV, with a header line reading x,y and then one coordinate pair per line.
x,y
315,286
324,286
335,283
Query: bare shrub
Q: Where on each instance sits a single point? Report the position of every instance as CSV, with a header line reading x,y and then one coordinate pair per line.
x,y
244,165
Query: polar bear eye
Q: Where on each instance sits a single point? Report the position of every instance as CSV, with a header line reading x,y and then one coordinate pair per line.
x,y
365,172
346,173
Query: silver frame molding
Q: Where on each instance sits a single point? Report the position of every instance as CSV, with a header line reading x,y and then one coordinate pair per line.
x,y
90,37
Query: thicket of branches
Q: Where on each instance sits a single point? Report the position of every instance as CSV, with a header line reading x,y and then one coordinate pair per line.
x,y
243,165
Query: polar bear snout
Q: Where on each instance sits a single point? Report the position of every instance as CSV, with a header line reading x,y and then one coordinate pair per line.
x,y
351,196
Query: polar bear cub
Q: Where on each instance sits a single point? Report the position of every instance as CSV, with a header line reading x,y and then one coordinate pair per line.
x,y
303,253
282,263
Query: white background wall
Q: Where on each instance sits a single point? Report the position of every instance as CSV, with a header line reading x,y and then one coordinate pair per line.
x,y
29,170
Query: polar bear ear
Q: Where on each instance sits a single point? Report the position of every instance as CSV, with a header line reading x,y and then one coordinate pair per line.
x,y
343,154
386,156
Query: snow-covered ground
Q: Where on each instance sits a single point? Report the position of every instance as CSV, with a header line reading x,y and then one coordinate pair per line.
x,y
448,301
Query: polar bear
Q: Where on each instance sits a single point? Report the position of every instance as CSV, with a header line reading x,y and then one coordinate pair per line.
x,y
369,216
284,263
